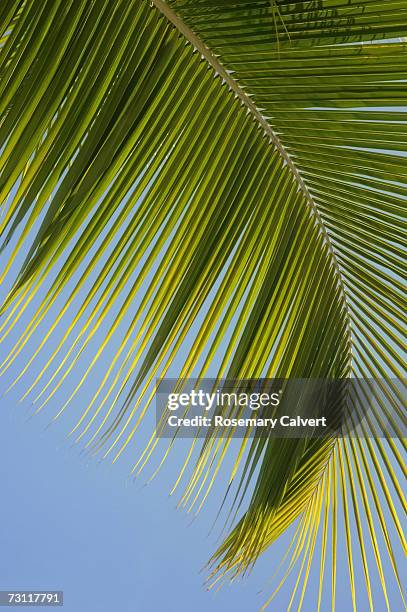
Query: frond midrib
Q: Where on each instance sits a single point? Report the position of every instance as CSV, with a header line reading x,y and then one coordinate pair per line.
x,y
247,101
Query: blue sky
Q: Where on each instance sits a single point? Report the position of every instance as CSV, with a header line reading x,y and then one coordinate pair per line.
x,y
77,524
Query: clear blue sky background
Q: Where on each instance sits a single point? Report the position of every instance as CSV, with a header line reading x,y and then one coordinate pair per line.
x,y
78,525
70,523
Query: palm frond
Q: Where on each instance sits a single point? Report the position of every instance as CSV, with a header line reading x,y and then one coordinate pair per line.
x,y
217,183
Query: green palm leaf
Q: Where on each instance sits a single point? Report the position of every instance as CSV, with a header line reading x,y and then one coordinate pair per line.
x,y
225,181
